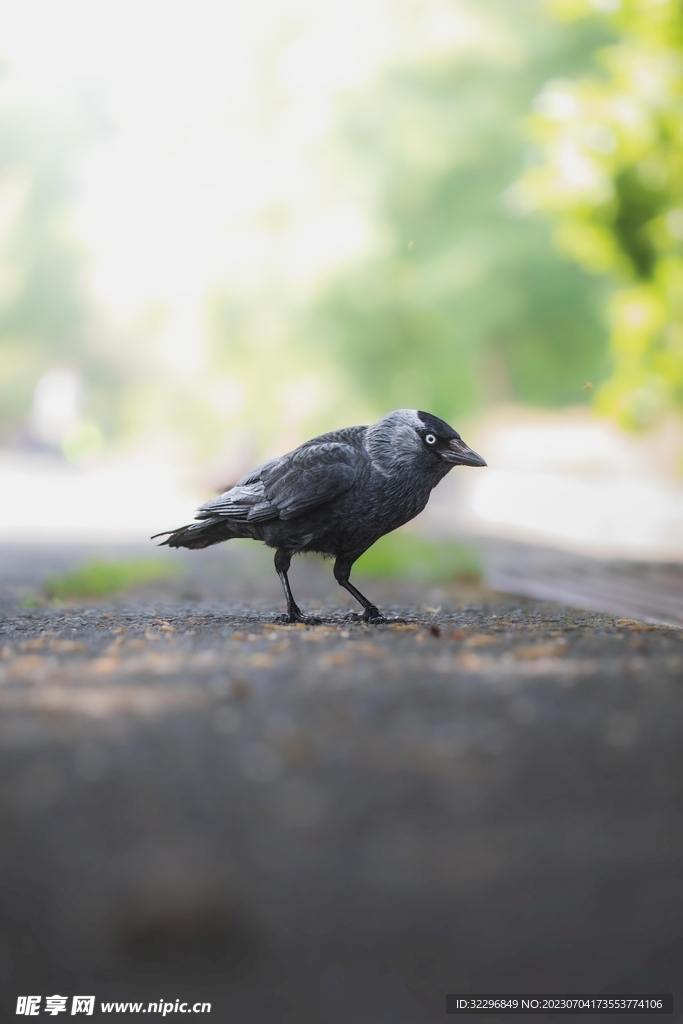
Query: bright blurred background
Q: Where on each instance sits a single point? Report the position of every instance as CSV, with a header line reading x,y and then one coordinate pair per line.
x,y
227,227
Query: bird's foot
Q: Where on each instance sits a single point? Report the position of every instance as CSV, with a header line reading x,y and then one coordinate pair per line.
x,y
291,616
374,617
295,616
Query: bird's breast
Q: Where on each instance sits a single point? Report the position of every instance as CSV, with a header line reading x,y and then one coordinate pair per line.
x,y
380,509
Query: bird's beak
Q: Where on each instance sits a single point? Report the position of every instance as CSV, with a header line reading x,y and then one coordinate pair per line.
x,y
458,454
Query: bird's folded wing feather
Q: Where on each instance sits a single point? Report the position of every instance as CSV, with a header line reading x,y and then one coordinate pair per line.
x,y
287,487
310,476
254,475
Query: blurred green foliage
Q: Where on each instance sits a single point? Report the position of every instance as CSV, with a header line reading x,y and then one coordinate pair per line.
x,y
98,578
464,301
410,556
610,175
461,300
469,303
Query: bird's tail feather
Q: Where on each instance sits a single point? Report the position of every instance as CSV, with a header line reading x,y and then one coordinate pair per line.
x,y
196,535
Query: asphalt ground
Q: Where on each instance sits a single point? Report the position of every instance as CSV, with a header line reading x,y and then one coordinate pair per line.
x,y
333,823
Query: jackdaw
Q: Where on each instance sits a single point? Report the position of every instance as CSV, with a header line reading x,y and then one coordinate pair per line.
x,y
336,494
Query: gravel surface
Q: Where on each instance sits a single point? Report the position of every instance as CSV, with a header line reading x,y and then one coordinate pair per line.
x,y
337,823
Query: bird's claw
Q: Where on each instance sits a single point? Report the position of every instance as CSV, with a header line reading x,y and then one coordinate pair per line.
x,y
380,620
289,619
373,616
376,619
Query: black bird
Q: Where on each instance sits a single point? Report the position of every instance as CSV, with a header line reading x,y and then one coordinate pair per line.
x,y
336,494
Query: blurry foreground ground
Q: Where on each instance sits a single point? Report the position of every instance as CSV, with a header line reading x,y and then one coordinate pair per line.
x,y
333,823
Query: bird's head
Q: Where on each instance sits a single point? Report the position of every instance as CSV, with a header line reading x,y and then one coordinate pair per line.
x,y
422,439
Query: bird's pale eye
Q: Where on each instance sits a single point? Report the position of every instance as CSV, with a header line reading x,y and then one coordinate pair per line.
x,y
430,439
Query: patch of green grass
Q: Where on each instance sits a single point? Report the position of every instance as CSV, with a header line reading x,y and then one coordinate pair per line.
x,y
97,579
412,557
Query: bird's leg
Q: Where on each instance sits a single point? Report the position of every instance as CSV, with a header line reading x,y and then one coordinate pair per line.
x,y
282,563
342,571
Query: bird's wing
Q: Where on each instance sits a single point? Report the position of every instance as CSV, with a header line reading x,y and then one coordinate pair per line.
x,y
310,476
254,475
244,503
286,487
